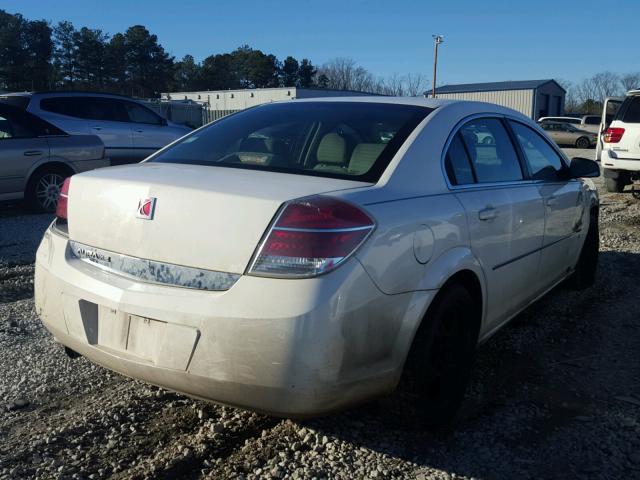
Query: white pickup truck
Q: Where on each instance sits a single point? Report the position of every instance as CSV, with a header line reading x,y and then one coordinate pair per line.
x,y
618,147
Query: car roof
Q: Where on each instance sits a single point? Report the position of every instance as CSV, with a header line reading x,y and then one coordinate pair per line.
x,y
558,118
470,106
66,93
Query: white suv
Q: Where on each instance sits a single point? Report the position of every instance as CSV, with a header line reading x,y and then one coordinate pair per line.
x,y
129,130
620,155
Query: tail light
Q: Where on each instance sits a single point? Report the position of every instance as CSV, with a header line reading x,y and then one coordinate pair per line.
x,y
613,135
310,237
63,199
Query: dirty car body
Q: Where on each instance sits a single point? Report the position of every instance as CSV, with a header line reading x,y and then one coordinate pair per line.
x,y
282,259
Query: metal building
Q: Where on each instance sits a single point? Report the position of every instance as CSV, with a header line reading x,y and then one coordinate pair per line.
x,y
533,98
219,103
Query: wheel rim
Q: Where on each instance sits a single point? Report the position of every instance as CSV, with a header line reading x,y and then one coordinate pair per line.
x,y
48,190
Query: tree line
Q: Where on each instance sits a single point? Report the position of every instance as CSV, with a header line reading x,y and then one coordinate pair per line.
x,y
36,55
587,96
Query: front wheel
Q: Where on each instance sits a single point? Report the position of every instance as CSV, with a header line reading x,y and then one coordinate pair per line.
x,y
584,275
583,142
439,363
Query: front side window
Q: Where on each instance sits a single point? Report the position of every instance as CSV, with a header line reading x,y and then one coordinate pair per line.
x,y
139,114
544,163
354,140
491,152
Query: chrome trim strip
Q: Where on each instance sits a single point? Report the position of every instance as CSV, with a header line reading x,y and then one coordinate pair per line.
x,y
150,271
323,230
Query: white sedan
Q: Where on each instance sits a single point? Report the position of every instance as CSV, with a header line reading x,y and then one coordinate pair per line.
x,y
300,257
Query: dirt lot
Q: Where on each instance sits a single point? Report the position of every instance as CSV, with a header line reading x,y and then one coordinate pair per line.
x,y
556,394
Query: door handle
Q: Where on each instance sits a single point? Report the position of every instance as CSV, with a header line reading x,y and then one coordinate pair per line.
x,y
488,213
551,201
139,131
96,128
32,153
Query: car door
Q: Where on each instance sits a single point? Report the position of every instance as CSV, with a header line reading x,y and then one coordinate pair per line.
x,y
552,130
504,212
150,132
108,119
609,110
20,150
563,203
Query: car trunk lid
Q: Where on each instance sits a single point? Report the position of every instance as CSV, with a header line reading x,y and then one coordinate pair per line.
x,y
205,217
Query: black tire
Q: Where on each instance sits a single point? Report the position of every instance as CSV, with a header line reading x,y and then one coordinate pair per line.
x,y
439,364
43,189
584,275
614,185
583,142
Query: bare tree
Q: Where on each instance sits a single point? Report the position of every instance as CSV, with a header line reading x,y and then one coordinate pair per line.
x,y
607,84
629,81
415,84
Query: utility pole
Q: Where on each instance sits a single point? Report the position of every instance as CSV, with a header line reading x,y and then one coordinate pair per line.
x,y
437,40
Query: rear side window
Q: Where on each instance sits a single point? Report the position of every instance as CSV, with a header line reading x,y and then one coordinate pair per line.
x,y
351,140
89,108
457,163
61,105
491,152
629,110
544,163
592,120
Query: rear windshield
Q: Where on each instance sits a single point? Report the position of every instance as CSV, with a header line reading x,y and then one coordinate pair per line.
x,y
351,140
15,100
629,111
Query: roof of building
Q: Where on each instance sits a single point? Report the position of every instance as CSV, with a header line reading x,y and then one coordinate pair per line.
x,y
495,86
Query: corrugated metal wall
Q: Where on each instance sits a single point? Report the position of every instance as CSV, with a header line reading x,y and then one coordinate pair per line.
x,y
520,100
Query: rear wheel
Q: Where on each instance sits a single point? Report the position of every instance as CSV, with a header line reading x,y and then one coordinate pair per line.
x,y
439,364
44,188
615,185
583,142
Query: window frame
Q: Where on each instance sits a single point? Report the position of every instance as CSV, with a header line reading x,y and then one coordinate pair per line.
x,y
526,174
505,119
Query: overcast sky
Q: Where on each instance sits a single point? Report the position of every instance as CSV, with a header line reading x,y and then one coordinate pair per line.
x,y
485,40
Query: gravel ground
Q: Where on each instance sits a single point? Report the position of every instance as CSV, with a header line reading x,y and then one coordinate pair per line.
x,y
556,394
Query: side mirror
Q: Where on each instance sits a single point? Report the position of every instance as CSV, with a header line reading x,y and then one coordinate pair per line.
x,y
583,168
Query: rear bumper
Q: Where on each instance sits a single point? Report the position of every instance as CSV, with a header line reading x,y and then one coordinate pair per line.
x,y
285,347
610,161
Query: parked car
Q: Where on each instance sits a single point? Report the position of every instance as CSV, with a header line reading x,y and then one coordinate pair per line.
x,y
567,134
130,131
620,155
300,257
589,123
36,157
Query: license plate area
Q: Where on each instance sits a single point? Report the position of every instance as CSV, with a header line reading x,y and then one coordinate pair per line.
x,y
161,343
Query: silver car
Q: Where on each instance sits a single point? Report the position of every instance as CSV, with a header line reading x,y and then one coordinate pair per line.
x,y
36,157
129,130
